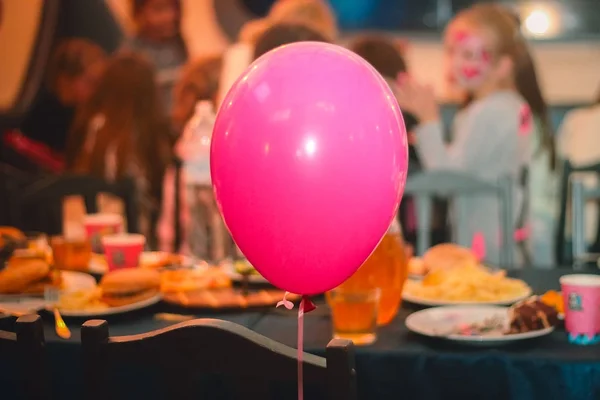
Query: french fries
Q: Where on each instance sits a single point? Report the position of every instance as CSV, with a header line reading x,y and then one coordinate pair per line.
x,y
470,283
82,300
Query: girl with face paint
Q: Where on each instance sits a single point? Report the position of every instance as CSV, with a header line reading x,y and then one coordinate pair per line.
x,y
490,136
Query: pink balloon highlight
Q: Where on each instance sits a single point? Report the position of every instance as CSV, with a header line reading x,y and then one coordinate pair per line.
x,y
308,163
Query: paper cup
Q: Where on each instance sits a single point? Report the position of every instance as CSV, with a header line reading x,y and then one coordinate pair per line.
x,y
581,297
123,250
98,225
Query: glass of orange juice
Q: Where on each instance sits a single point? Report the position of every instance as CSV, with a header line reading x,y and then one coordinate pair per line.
x,y
71,253
354,314
386,269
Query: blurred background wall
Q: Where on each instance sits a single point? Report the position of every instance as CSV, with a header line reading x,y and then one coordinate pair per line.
x,y
567,45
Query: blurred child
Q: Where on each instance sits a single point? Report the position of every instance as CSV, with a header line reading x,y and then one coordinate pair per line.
x,y
484,51
122,132
71,77
386,57
281,34
316,15
190,221
159,38
199,81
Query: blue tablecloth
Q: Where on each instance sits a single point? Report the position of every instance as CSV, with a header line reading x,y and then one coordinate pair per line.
x,y
400,365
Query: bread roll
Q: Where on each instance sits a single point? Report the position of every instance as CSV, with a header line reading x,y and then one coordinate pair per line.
x,y
22,272
447,256
128,286
129,280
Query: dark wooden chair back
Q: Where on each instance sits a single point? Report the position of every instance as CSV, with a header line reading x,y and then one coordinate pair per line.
x,y
42,202
25,350
214,347
12,184
564,246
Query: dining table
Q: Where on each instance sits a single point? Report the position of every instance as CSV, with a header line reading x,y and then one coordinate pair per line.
x,y
399,365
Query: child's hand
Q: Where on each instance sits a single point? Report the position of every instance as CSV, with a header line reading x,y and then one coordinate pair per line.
x,y
412,139
418,99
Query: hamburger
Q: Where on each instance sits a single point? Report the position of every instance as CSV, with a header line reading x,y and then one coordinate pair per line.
x,y
28,276
447,256
128,286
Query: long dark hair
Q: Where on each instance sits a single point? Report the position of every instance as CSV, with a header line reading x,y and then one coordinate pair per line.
x,y
128,99
138,5
528,86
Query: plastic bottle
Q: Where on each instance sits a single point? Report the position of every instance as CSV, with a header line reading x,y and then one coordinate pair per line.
x,y
194,144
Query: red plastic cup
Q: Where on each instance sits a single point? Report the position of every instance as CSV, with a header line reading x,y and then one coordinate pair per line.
x,y
99,225
123,250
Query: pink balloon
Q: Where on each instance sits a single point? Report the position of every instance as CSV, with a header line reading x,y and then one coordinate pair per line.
x,y
308,162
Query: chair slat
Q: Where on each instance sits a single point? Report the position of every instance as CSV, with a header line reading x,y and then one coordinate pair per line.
x,y
26,349
564,246
458,185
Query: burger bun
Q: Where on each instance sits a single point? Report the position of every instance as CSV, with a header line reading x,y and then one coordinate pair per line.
x,y
447,256
128,286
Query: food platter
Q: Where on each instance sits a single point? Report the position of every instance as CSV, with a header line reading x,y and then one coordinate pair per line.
x,y
469,284
435,303
148,259
233,268
100,312
442,323
227,298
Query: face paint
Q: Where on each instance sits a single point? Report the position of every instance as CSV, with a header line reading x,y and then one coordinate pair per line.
x,y
470,61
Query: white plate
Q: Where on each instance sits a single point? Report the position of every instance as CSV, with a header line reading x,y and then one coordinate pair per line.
x,y
27,305
71,281
111,310
99,267
229,268
432,303
437,322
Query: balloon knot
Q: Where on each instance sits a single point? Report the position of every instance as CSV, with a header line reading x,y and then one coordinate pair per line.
x,y
308,304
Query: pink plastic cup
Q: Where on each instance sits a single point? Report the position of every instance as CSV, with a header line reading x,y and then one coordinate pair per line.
x,y
581,296
99,225
123,250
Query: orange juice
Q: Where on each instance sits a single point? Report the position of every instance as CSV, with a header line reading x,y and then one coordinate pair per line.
x,y
354,314
71,254
386,269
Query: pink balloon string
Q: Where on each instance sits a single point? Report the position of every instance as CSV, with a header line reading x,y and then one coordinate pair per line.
x,y
285,302
300,349
306,306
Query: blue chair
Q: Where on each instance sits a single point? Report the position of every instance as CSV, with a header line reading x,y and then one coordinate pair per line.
x,y
458,185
